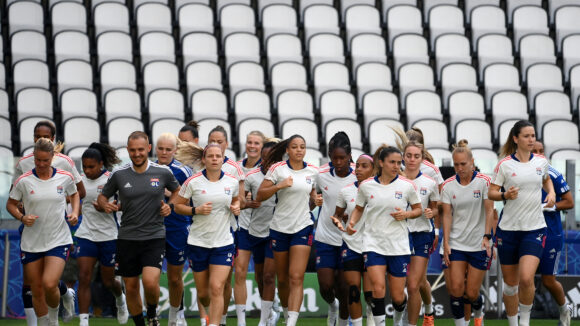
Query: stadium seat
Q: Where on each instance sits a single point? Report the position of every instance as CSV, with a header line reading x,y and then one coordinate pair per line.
x,y
30,73
246,126
508,105
71,45
159,74
504,130
434,132
423,105
117,74
119,130
279,19
367,48
305,127
294,104
28,45
166,125
408,48
251,104
165,103
203,75
485,159
500,77
445,19
286,76
111,17
570,54
415,76
559,134
220,4
554,5
379,104
575,86
470,5
4,104
25,15
32,102
451,48
182,3
199,47
337,104
206,125
380,132
283,47
329,76
372,76
303,4
351,127
551,105
403,20
114,46
567,23
122,103
81,132
156,46
347,4
476,132
320,19
209,103
313,156
153,17
565,154
241,47
487,20
536,48
325,48
457,77
245,75
262,4
6,155
137,3
529,20
68,16
465,105
512,5
430,4
543,77
361,19
388,4
74,74
76,103
195,18
441,156
493,48
236,18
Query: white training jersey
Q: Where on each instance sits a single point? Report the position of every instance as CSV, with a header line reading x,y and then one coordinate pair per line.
x,y
468,210
261,217
246,213
213,230
329,184
47,200
525,212
232,168
428,192
96,226
292,212
347,199
59,161
382,233
431,170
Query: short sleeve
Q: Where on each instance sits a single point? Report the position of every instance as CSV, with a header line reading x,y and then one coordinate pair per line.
x,y
75,173
272,175
412,196
361,196
171,182
545,169
445,196
70,186
236,189
439,177
434,196
16,192
187,190
248,185
317,184
560,185
17,172
110,188
498,177
340,200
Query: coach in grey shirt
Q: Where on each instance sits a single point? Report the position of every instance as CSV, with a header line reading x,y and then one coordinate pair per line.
x,y
141,187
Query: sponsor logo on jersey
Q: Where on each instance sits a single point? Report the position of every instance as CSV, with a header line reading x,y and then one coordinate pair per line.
x,y
59,190
398,195
514,174
423,191
203,192
372,197
154,182
539,171
352,200
477,194
325,187
32,192
127,185
227,190
454,197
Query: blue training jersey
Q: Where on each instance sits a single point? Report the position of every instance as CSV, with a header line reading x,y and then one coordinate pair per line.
x,y
175,221
553,219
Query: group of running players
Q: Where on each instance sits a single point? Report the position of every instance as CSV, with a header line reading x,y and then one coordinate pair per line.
x,y
379,215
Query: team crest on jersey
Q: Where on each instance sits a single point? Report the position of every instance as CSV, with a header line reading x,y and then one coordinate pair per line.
x,y
423,191
477,194
100,189
398,195
60,190
539,171
154,182
308,180
227,190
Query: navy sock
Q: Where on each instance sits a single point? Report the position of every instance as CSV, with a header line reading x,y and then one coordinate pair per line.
x,y
476,305
151,310
62,288
138,320
26,296
378,306
457,307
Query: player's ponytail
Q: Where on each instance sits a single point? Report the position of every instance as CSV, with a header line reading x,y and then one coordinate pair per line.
x,y
270,143
189,154
102,153
277,152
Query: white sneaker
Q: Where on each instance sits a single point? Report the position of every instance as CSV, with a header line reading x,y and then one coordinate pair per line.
x,y
332,313
181,319
68,303
274,316
565,316
122,312
84,322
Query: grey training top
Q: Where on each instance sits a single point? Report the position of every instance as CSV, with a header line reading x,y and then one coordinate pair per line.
x,y
141,195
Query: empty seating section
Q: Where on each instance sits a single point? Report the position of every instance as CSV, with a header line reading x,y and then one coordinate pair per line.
x,y
455,69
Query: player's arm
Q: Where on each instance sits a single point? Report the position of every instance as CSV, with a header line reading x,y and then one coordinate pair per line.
x,y
242,194
548,186
267,189
82,192
566,203
75,202
354,218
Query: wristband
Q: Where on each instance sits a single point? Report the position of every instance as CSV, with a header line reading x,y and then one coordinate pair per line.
x,y
436,232
192,210
503,196
172,207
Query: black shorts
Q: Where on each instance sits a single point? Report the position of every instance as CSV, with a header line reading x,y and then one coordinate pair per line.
x,y
133,255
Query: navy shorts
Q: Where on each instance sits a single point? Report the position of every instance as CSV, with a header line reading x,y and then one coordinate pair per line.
x,y
104,251
551,255
396,265
327,256
283,241
200,258
256,245
352,261
422,243
477,259
29,257
176,247
512,245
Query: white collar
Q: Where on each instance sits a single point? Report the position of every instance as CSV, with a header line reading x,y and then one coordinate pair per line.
x,y
148,165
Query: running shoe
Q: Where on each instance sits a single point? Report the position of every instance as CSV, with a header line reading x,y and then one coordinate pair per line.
x,y
122,311
181,319
565,316
68,302
274,316
428,320
477,321
332,318
153,321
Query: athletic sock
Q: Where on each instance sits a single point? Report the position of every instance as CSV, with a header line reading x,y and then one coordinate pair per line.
x,y
53,314
525,311
241,313
285,311
459,322
428,309
357,322
119,300
477,307
62,288
31,319
342,322
151,310
378,307
292,318
265,307
43,320
399,312
138,320
512,320
457,308
173,313
223,320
